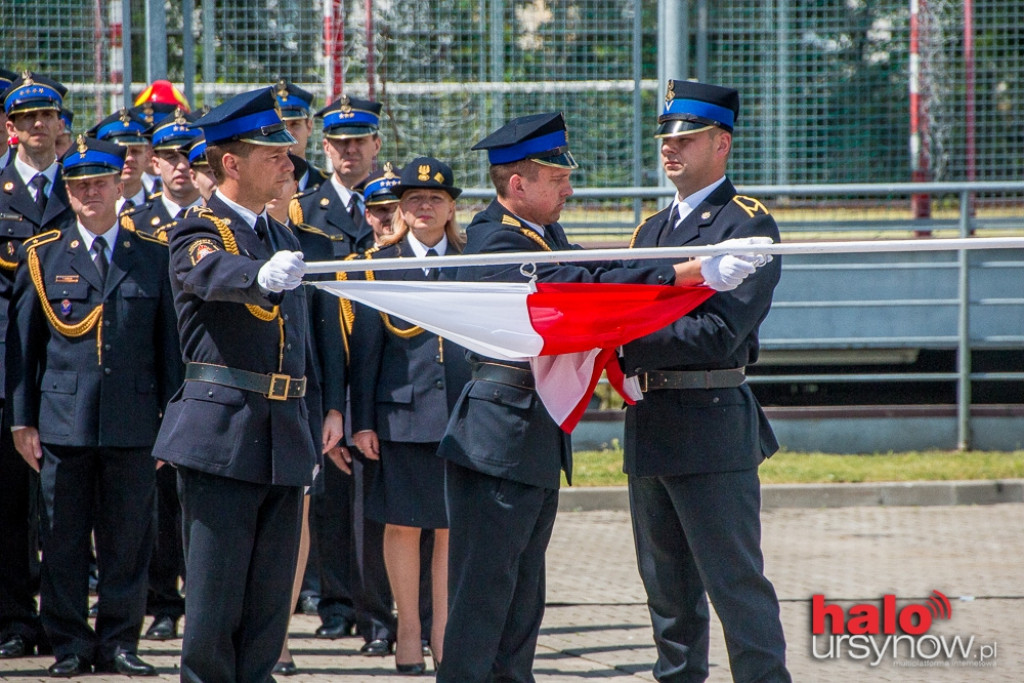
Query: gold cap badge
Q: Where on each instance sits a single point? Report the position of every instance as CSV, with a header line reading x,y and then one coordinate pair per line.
x,y
82,147
424,172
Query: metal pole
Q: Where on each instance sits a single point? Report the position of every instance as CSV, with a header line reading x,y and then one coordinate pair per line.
x,y
156,40
702,41
371,57
209,32
638,113
782,93
497,65
970,120
126,46
97,67
189,47
963,394
673,49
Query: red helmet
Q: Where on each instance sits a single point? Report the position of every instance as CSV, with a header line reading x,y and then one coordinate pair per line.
x,y
165,92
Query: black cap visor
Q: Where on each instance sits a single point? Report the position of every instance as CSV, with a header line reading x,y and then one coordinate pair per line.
x,y
559,158
673,127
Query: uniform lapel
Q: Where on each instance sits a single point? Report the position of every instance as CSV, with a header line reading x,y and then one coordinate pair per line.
x,y
81,261
121,261
58,202
245,237
21,196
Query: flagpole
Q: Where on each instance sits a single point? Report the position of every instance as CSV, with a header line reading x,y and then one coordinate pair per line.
x,y
666,253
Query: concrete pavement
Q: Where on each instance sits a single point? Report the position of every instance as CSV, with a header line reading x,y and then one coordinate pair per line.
x,y
596,623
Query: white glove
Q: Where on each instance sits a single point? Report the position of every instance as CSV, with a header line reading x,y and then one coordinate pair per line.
x,y
726,271
283,271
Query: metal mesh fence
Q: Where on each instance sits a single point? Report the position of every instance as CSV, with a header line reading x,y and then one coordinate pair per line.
x,y
825,86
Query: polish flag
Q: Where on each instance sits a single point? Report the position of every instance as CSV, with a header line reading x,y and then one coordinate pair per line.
x,y
569,332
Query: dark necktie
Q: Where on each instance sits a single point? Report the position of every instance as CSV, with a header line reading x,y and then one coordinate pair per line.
x,y
669,226
433,273
39,183
99,247
354,205
127,206
261,228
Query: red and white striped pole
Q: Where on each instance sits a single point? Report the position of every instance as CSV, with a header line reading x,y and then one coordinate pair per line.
x,y
116,47
919,150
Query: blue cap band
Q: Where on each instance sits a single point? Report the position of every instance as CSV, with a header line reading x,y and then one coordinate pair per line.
x,y
197,151
93,157
350,118
527,148
117,128
219,132
705,110
292,102
381,184
175,132
32,93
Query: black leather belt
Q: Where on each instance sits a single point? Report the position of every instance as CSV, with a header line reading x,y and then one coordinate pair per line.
x,y
272,385
504,374
693,379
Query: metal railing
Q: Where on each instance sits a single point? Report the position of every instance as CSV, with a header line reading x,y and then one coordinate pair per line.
x,y
966,223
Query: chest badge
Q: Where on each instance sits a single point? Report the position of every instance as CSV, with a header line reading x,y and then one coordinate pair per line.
x,y
65,307
706,215
8,187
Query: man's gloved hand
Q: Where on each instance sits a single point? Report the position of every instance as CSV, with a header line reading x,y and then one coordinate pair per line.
x,y
283,271
726,271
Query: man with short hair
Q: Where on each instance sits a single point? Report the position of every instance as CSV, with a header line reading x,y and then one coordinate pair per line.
x,y
694,443
128,128
170,139
33,199
504,452
92,331
239,429
294,104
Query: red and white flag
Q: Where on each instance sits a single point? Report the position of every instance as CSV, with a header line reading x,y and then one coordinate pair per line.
x,y
568,332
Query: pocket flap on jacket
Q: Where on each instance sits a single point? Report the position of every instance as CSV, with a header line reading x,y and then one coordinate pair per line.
x,y
504,394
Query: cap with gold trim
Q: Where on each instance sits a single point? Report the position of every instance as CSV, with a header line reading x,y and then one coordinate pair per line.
x,y
6,78
377,189
175,132
691,107
293,101
153,112
123,127
67,117
247,117
350,117
197,152
91,158
32,92
538,137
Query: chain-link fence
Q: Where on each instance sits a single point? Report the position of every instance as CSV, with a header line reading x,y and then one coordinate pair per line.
x,y
825,86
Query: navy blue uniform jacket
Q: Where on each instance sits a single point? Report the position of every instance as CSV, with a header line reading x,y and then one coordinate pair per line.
x,y
106,391
218,429
404,389
504,430
705,430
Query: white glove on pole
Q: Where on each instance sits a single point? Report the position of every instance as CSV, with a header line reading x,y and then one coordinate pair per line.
x,y
726,271
283,271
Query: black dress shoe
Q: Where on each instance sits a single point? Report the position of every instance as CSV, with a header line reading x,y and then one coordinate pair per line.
x,y
308,604
335,627
16,646
285,669
68,666
378,647
162,628
417,669
126,664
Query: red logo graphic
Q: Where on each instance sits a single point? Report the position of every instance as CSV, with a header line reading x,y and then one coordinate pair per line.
x,y
869,619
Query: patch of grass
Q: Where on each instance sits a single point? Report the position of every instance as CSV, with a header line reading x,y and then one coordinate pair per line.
x,y
604,468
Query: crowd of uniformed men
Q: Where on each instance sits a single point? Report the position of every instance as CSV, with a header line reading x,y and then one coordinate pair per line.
x,y
150,270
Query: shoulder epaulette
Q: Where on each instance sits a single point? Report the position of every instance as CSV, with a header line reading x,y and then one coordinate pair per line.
x,y
750,205
41,239
508,220
127,223
153,196
160,237
632,240
198,211
306,227
295,211
136,208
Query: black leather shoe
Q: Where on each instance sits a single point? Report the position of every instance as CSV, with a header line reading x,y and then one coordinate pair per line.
x,y
307,605
162,628
16,646
285,669
335,627
377,647
68,666
417,669
126,664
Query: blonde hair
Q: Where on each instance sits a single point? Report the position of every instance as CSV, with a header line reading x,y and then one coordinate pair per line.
x,y
399,228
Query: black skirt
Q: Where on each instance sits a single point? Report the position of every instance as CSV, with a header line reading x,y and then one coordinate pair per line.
x,y
408,486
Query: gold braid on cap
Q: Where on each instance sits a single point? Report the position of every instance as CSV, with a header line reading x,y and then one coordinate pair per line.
x,y
231,246
79,329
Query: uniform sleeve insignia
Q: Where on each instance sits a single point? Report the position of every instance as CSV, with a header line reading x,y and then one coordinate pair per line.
x,y
66,279
200,249
750,205
508,220
10,248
